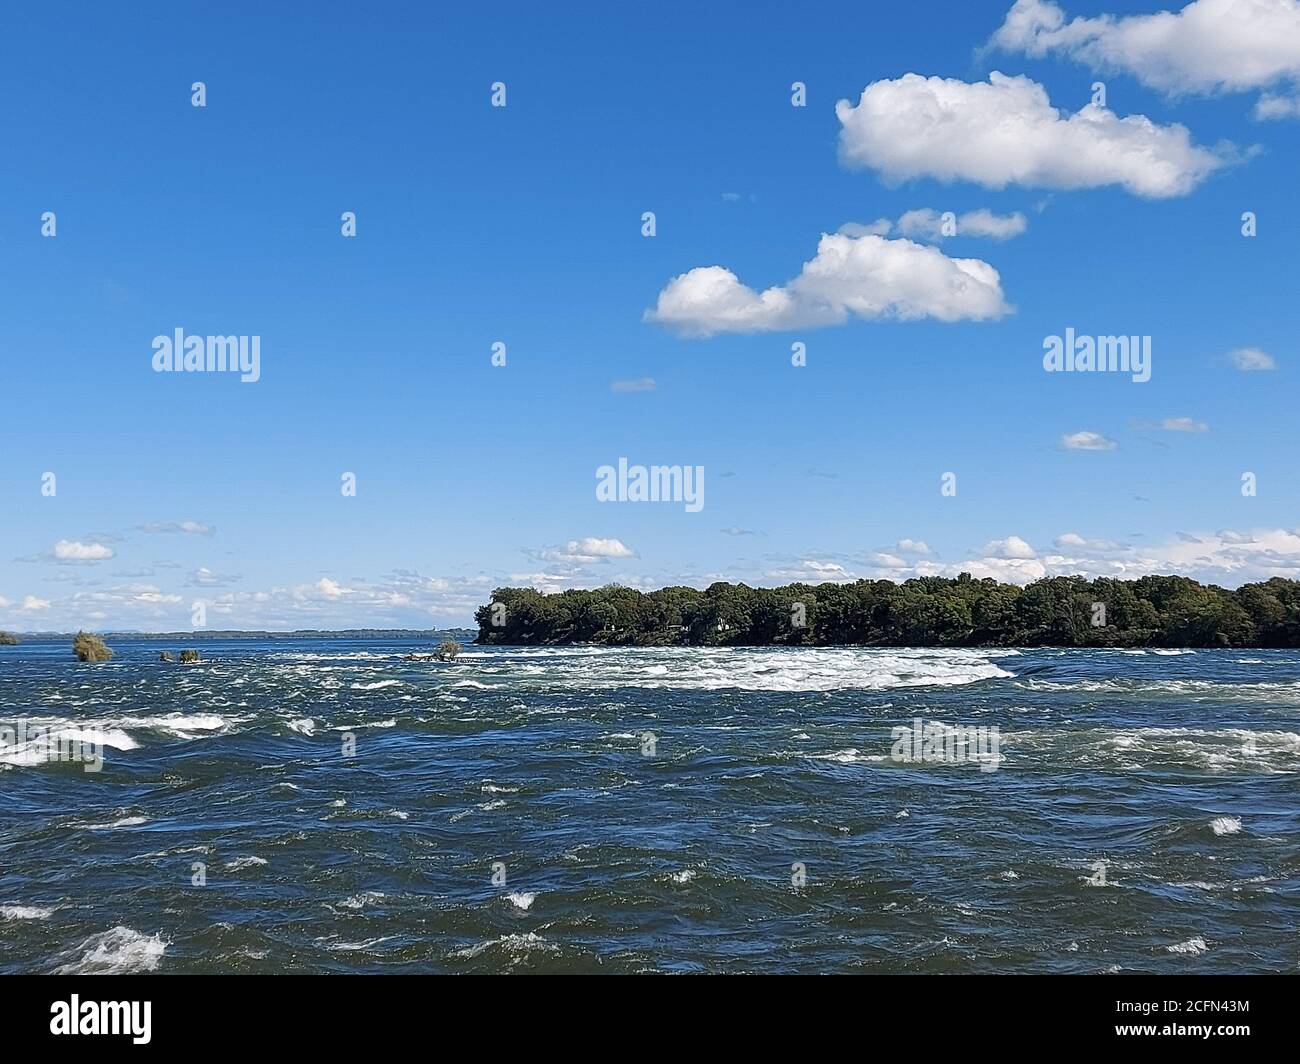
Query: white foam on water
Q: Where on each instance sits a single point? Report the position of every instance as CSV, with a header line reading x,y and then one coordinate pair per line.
x,y
746,669
113,738
113,732
1251,884
515,945
522,899
245,862
1193,947
1216,750
115,952
378,685
684,876
848,757
360,901
1271,691
62,736
1225,825
25,912
123,822
184,725
355,947
305,726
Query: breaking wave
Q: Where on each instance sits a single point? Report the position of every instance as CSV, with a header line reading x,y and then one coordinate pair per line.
x,y
116,952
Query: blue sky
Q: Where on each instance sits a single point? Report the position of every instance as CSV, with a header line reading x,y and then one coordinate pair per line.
x,y
522,224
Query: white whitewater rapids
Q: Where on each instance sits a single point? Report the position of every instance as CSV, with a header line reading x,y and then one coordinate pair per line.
x,y
743,669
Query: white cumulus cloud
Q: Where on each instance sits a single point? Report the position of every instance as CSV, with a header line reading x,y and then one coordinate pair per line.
x,y
69,550
587,551
1011,547
1209,46
862,276
1005,131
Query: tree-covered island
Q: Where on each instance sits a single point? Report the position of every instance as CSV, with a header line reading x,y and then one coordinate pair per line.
x,y
1155,611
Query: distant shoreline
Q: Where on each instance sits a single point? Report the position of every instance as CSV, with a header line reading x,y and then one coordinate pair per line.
x,y
466,634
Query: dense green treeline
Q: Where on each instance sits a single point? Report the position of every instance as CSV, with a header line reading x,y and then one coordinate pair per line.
x,y
1160,611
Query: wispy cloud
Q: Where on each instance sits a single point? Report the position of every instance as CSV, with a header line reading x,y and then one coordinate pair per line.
x,y
640,384
925,223
189,528
1087,441
1251,360
1183,424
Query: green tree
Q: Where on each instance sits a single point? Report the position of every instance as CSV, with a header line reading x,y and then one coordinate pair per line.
x,y
89,647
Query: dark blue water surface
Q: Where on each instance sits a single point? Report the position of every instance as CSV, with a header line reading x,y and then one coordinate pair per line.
x,y
586,809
